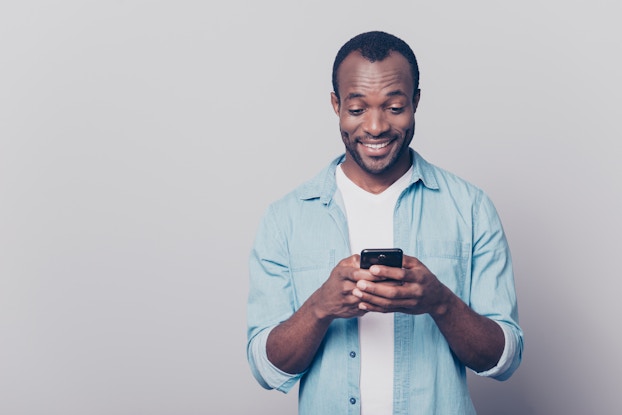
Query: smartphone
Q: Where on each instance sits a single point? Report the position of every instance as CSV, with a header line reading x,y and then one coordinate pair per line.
x,y
391,257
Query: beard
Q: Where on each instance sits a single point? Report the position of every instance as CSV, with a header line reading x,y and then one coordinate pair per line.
x,y
377,165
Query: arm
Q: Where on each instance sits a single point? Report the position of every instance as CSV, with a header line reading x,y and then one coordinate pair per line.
x,y
292,345
476,340
472,330
283,335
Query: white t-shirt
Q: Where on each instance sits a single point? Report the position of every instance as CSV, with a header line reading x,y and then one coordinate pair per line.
x,y
370,225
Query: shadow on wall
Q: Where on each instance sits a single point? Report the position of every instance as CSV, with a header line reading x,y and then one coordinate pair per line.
x,y
512,397
492,397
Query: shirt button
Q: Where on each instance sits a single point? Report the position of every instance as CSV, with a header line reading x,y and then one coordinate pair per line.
x,y
352,401
352,354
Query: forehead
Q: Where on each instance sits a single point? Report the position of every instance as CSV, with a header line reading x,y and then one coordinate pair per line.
x,y
357,75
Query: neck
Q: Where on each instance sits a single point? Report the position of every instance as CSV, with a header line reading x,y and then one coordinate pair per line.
x,y
375,183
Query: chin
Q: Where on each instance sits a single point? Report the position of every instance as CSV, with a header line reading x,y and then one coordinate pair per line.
x,y
377,168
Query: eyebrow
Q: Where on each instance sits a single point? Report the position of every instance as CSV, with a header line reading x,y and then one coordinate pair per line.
x,y
394,93
354,95
397,92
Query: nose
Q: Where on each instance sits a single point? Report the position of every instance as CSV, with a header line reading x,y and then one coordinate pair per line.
x,y
375,123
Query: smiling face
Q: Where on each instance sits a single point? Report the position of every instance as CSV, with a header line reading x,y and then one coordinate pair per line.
x,y
376,118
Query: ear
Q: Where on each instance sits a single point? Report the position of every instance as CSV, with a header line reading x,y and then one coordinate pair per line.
x,y
416,100
334,100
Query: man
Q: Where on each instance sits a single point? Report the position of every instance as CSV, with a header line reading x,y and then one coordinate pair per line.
x,y
385,339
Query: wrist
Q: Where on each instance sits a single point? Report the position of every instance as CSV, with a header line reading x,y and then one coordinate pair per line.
x,y
444,305
318,313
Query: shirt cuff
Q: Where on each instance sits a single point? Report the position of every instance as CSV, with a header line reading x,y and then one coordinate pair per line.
x,y
268,375
507,357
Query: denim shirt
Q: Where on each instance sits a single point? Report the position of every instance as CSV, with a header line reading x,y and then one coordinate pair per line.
x,y
448,224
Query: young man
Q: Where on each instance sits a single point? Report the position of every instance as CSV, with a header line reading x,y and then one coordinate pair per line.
x,y
385,339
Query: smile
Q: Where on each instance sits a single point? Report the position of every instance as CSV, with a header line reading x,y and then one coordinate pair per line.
x,y
376,146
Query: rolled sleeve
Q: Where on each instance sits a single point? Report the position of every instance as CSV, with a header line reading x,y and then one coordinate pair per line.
x,y
268,375
510,359
493,293
270,302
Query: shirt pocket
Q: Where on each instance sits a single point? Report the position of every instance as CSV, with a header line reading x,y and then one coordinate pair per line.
x,y
449,261
309,270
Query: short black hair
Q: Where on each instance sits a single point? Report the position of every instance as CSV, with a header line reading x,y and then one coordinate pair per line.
x,y
376,46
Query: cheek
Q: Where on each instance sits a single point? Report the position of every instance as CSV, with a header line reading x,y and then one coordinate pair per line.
x,y
404,122
349,124
345,136
404,129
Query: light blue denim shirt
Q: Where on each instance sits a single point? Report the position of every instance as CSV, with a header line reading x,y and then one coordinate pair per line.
x,y
448,224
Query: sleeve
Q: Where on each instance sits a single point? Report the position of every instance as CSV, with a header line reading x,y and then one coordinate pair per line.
x,y
493,292
504,369
270,302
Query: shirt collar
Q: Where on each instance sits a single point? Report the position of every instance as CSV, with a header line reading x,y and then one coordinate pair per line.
x,y
324,185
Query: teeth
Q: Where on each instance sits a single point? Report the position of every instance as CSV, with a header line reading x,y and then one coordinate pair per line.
x,y
376,146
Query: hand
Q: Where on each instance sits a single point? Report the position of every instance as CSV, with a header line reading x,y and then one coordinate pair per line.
x,y
292,345
334,299
476,340
412,289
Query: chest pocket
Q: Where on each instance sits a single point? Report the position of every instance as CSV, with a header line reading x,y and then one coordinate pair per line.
x,y
309,269
449,261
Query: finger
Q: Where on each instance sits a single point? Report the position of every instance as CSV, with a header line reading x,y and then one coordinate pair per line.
x,y
415,270
351,261
411,262
356,258
346,289
385,272
378,305
365,275
367,290
390,289
371,302
368,307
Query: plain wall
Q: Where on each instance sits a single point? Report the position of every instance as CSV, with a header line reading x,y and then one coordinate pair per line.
x,y
140,143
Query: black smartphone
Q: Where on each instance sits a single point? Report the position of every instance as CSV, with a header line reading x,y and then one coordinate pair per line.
x,y
391,257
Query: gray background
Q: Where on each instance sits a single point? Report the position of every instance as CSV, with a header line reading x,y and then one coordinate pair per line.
x,y
140,142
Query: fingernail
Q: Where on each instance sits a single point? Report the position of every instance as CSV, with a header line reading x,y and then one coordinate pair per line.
x,y
356,292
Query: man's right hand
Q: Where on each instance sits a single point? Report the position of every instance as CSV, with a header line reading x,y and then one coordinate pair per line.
x,y
334,299
292,344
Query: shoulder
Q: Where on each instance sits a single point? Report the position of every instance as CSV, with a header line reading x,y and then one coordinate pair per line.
x,y
307,205
445,182
321,187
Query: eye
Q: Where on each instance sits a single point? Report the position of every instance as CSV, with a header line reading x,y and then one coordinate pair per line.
x,y
355,111
396,110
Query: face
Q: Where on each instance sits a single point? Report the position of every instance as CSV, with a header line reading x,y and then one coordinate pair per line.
x,y
376,117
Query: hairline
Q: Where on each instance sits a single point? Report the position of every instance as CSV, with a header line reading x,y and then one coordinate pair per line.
x,y
396,46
